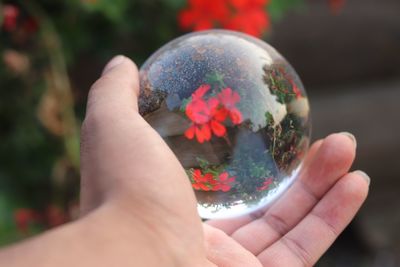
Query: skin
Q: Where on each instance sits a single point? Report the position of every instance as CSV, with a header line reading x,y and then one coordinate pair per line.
x,y
138,207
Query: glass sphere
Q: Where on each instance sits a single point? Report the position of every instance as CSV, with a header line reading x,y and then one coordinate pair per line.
x,y
235,114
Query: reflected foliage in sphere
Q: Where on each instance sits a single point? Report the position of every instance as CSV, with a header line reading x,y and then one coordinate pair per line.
x,y
235,114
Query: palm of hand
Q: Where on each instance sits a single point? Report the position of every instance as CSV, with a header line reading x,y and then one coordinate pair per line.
x,y
124,162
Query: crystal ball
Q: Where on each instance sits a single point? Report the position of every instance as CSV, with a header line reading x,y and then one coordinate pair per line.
x,y
235,114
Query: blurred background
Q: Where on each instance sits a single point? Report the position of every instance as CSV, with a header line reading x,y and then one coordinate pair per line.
x,y
347,53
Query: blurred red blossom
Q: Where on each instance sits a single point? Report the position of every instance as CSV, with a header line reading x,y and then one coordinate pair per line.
x,y
200,181
224,182
248,16
229,99
208,181
30,25
206,116
51,217
10,16
24,217
268,181
336,5
55,216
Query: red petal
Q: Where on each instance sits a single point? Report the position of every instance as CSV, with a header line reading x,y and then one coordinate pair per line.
x,y
204,187
208,177
197,175
217,128
216,187
189,133
206,131
196,186
223,176
217,9
186,19
199,135
200,92
296,90
224,96
228,97
197,111
231,180
202,25
203,133
236,116
239,4
235,97
213,104
221,114
225,188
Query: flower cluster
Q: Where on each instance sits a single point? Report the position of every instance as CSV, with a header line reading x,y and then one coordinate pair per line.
x,y
52,216
210,182
208,115
281,83
248,16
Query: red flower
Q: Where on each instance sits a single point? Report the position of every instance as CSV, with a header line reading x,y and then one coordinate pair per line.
x,y
268,181
200,180
55,216
200,92
23,217
336,5
208,182
30,25
206,116
224,182
201,15
229,98
248,16
296,90
10,14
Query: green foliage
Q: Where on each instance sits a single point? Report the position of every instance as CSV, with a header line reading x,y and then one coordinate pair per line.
x,y
112,10
215,79
184,103
280,82
277,8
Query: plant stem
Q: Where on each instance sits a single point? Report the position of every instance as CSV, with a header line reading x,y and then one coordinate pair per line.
x,y
57,80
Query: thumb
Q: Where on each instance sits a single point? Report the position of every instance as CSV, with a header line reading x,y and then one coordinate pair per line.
x,y
116,91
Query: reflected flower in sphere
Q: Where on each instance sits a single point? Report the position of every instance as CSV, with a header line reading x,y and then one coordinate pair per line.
x,y
201,180
229,99
206,116
224,183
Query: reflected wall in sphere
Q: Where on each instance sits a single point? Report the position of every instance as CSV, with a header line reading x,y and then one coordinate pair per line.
x,y
235,114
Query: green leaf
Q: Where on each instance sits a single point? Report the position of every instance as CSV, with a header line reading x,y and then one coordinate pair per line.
x,y
277,8
113,10
175,3
202,163
215,78
184,103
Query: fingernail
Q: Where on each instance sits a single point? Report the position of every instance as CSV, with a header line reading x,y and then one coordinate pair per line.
x,y
113,62
351,136
363,175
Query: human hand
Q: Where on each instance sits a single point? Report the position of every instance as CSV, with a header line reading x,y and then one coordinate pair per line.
x,y
138,208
